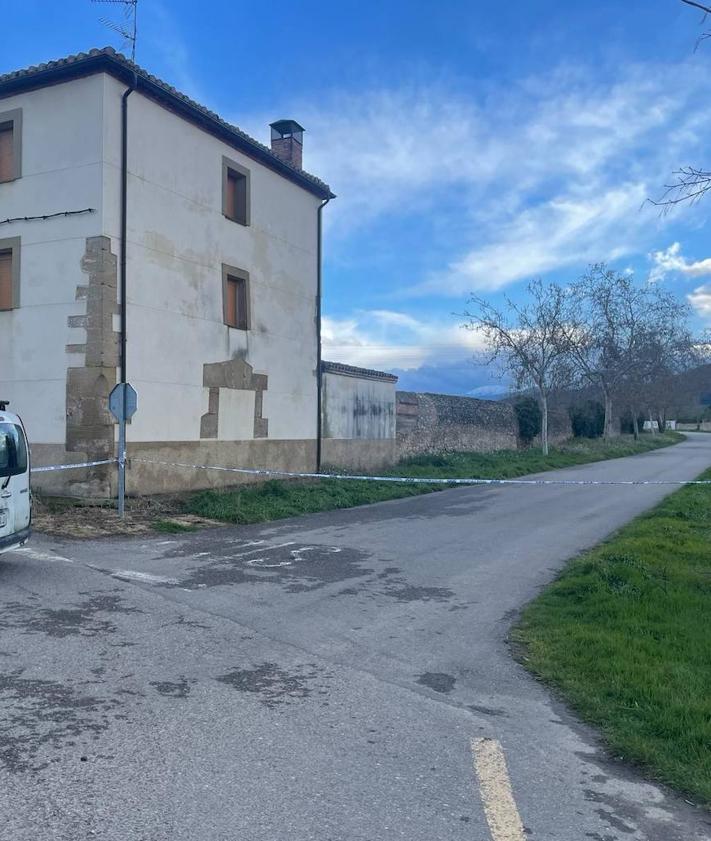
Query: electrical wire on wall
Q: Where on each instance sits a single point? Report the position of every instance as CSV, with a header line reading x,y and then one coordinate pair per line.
x,y
47,216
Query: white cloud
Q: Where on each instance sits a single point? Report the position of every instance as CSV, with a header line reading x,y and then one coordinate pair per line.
x,y
559,233
672,260
516,182
389,339
436,356
700,300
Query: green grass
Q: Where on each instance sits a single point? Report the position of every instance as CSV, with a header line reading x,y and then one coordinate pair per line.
x,y
625,635
277,499
172,526
509,464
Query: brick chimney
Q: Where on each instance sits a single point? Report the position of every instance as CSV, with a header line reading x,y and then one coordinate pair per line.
x,y
288,141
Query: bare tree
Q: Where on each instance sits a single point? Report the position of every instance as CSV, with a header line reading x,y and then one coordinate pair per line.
x,y
690,182
655,386
622,337
526,340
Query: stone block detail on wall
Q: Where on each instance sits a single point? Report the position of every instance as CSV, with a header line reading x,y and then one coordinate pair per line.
x,y
233,374
89,425
208,422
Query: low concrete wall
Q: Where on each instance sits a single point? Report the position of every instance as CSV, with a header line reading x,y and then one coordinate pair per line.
x,y
270,454
704,426
367,425
435,423
81,482
358,417
358,455
143,479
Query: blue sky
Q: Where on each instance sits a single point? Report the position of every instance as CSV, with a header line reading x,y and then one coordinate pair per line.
x,y
473,145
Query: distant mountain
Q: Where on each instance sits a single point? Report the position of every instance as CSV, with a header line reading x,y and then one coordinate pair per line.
x,y
465,378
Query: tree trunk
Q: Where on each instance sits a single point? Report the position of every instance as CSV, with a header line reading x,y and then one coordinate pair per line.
x,y
607,430
651,423
635,424
544,423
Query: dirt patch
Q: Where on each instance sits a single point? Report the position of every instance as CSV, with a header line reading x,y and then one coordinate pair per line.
x,y
65,517
271,684
438,681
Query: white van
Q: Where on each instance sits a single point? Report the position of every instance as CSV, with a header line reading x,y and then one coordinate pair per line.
x,y
15,496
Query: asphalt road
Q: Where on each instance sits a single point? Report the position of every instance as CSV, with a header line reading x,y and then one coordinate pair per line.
x,y
327,678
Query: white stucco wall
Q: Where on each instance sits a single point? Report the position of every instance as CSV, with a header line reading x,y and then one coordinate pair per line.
x,y
61,170
358,408
178,240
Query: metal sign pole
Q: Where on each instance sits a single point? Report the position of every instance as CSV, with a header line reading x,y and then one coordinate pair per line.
x,y
123,402
122,468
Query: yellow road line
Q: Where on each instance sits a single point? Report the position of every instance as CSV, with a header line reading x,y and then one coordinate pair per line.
x,y
495,790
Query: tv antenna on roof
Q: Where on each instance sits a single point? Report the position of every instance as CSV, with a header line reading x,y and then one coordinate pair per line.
x,y
126,28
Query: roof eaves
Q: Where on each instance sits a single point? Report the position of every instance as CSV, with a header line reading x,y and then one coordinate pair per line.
x,y
355,371
109,61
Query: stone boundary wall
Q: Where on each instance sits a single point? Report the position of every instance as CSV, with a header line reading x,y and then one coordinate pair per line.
x,y
436,423
704,426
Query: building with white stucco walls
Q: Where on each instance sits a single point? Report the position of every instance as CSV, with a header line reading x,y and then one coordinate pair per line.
x,y
112,182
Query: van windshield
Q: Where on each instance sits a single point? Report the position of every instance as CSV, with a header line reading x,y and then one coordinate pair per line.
x,y
13,450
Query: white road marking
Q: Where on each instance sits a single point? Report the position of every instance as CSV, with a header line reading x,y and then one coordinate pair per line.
x,y
242,544
495,791
261,562
145,577
42,556
296,554
261,548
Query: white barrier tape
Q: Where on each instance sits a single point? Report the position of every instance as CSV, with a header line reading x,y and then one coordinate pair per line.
x,y
51,468
420,481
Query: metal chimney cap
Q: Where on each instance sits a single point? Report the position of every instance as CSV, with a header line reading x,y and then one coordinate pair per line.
x,y
286,128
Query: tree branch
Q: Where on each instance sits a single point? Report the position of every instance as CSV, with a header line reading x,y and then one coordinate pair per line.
x,y
705,9
692,183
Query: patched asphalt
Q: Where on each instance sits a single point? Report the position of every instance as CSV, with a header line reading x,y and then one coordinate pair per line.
x,y
320,678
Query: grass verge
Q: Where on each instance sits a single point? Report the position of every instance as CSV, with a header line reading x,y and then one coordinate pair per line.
x,y
277,499
172,527
624,634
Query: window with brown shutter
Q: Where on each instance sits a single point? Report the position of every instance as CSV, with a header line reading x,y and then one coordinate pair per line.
x,y
10,145
6,280
7,167
230,302
235,192
235,283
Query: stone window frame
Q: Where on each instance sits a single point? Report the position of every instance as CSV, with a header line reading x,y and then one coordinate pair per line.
x,y
233,271
13,118
228,165
12,244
